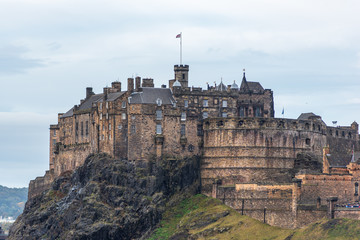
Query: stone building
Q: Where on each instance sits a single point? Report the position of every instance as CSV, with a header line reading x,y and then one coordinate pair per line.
x,y
250,160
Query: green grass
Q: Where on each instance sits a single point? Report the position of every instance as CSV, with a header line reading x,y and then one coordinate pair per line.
x,y
172,217
198,216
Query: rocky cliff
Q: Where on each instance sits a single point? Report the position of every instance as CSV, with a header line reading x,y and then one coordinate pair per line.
x,y
108,199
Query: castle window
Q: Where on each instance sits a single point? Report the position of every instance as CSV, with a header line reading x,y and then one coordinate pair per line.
x,y
123,104
133,129
100,106
158,114
349,134
215,101
200,131
123,116
186,103
133,117
158,129
205,115
100,116
54,131
343,134
313,127
82,128
109,136
109,126
337,133
319,128
183,76
224,103
257,112
307,141
205,103
330,132
242,112
76,128
107,105
307,126
54,142
120,127
87,128
356,189
183,116
182,130
224,114
159,102
107,116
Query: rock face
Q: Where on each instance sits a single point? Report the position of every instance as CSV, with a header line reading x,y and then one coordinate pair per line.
x,y
108,199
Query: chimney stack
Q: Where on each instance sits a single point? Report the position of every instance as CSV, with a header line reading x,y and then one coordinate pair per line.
x,y
117,86
137,83
130,85
89,92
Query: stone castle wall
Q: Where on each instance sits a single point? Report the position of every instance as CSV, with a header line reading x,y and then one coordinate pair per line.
x,y
251,150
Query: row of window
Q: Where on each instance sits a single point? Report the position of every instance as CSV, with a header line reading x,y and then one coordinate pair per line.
x,y
206,103
82,128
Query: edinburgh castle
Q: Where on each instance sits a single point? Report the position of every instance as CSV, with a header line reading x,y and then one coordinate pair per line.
x,y
290,172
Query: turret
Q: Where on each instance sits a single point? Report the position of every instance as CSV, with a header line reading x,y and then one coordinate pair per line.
x,y
182,74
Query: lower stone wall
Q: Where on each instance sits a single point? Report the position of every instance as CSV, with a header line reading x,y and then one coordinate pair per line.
x,y
40,184
352,213
305,217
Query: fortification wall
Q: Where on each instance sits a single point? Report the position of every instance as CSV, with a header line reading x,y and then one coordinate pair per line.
x,y
270,203
70,157
352,213
325,186
40,184
255,150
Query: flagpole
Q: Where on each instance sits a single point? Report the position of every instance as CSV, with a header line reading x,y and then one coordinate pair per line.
x,y
180,48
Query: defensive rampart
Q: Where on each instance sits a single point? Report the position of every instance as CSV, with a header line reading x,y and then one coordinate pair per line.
x,y
256,150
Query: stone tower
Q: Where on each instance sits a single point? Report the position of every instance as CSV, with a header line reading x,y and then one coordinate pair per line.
x,y
182,74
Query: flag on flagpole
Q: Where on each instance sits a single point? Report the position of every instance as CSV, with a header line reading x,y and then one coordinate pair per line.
x,y
282,112
178,36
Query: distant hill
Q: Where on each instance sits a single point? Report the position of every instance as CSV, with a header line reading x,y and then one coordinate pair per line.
x,y
12,201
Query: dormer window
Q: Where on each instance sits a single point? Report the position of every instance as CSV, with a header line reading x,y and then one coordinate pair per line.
x,y
159,102
123,104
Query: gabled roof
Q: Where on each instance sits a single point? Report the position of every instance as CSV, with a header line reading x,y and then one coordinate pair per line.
x,y
87,104
307,116
250,87
111,97
221,87
149,95
339,159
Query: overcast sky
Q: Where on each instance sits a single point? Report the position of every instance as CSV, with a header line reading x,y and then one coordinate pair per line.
x,y
307,52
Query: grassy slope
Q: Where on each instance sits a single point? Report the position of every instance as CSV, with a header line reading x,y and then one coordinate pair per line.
x,y
201,217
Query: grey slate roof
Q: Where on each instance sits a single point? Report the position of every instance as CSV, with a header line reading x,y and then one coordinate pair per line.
x,y
87,104
339,159
150,95
221,87
110,97
307,116
254,87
